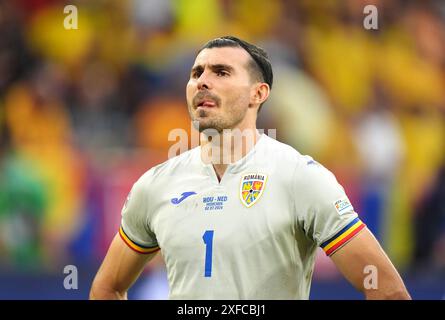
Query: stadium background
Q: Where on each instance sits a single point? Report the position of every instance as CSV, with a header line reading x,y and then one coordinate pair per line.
x,y
83,113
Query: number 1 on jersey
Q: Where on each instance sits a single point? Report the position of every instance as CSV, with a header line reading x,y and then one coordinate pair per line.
x,y
208,240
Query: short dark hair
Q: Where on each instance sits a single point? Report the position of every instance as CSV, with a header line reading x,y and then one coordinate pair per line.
x,y
260,66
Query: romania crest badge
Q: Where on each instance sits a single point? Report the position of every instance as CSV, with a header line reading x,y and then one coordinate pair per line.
x,y
251,188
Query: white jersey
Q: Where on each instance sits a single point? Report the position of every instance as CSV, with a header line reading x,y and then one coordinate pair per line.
x,y
254,235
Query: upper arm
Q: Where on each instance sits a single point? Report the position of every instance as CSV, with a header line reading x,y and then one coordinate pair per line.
x,y
119,270
366,266
131,248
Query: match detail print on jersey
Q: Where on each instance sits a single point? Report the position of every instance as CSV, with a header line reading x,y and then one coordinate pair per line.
x,y
252,187
134,246
345,234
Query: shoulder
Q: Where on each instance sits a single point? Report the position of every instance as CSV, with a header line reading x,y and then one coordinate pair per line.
x,y
282,151
284,155
301,171
306,172
313,182
175,166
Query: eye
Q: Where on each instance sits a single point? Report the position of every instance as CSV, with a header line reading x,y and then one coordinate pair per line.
x,y
222,73
195,74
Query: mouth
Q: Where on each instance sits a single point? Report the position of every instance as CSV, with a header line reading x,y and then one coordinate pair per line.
x,y
204,100
206,104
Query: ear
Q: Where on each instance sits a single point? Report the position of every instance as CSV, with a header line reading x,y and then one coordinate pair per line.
x,y
259,94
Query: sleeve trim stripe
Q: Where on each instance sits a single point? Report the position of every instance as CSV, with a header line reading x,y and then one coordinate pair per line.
x,y
349,225
134,246
345,240
351,228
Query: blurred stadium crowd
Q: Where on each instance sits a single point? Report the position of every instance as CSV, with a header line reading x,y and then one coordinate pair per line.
x,y
83,113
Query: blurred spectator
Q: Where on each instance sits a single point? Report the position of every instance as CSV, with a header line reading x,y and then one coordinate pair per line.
x,y
379,140
98,117
15,57
40,130
429,230
23,201
160,116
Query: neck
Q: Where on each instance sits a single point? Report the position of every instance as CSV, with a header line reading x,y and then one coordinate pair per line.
x,y
227,147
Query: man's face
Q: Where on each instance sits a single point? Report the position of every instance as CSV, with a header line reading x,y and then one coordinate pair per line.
x,y
218,92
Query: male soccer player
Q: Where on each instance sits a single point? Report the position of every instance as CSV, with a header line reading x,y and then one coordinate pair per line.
x,y
240,225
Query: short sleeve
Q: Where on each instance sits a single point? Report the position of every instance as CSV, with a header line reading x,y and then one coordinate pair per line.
x,y
324,210
134,229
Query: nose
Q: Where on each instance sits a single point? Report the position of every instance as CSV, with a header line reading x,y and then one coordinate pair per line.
x,y
203,82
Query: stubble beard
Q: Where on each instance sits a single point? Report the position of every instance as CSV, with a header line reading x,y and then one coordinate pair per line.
x,y
205,121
